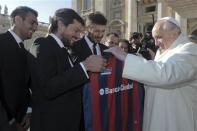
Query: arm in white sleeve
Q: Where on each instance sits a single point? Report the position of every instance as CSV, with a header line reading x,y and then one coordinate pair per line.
x,y
178,69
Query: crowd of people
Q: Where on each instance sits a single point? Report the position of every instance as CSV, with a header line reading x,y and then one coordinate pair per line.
x,y
137,44
41,88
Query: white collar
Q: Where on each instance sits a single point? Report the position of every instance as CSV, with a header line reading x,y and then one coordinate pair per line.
x,y
16,37
90,44
181,39
60,43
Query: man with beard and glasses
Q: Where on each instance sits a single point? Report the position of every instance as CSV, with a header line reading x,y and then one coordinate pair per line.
x,y
57,79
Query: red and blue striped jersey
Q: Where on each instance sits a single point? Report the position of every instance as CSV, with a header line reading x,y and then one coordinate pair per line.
x,y
112,103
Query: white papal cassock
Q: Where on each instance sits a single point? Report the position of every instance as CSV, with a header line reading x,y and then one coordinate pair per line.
x,y
171,86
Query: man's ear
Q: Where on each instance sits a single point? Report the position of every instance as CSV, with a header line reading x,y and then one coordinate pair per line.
x,y
89,27
18,19
60,25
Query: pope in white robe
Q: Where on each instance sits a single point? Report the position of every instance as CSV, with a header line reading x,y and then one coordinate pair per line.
x,y
170,80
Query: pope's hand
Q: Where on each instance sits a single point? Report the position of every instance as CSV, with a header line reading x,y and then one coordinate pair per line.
x,y
117,52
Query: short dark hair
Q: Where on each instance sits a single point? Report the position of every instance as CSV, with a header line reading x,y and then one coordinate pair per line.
x,y
96,18
22,11
67,16
125,41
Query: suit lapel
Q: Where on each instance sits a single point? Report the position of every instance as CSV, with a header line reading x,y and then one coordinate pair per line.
x,y
11,41
86,48
101,49
61,53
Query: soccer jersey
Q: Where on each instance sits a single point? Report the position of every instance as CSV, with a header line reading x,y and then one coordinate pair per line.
x,y
112,103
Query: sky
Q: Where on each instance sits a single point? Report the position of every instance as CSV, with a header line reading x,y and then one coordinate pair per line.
x,y
45,8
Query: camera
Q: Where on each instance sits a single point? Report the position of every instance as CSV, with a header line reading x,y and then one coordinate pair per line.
x,y
147,42
136,35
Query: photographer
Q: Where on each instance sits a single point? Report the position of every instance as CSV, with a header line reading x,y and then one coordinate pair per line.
x,y
134,41
148,48
143,46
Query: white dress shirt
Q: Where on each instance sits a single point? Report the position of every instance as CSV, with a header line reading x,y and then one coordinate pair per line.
x,y
90,44
16,37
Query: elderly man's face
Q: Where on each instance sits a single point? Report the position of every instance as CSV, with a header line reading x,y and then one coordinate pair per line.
x,y
163,39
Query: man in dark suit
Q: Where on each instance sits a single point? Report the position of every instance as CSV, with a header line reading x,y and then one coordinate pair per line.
x,y
14,93
91,41
56,78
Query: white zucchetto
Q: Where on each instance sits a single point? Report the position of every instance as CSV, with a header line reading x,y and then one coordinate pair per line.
x,y
172,20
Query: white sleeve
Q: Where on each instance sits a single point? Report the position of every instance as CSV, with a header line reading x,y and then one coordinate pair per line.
x,y
180,68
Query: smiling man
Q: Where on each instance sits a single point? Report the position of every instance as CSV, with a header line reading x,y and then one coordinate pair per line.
x,y
57,79
91,43
14,93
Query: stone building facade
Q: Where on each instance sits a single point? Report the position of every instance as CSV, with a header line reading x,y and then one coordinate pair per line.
x,y
127,16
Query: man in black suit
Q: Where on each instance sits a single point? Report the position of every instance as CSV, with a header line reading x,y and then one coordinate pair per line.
x,y
14,93
56,78
90,43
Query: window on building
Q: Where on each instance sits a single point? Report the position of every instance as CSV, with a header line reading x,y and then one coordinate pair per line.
x,y
87,4
117,2
150,9
148,27
147,1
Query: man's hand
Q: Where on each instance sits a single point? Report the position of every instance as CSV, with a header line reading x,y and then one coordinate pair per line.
x,y
117,52
25,124
95,63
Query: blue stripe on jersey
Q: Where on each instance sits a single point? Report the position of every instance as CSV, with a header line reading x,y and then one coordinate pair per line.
x,y
141,101
118,65
87,101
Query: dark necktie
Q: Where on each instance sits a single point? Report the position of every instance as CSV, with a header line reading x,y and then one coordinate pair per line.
x,y
94,49
22,48
21,45
66,51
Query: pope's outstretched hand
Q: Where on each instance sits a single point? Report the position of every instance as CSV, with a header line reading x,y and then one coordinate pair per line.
x,y
117,52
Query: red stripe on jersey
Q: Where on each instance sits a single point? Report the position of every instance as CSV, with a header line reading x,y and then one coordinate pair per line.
x,y
111,96
124,106
136,111
95,102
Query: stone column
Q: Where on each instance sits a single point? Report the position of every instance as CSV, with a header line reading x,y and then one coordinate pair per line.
x,y
162,9
76,5
93,6
182,21
132,16
0,9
